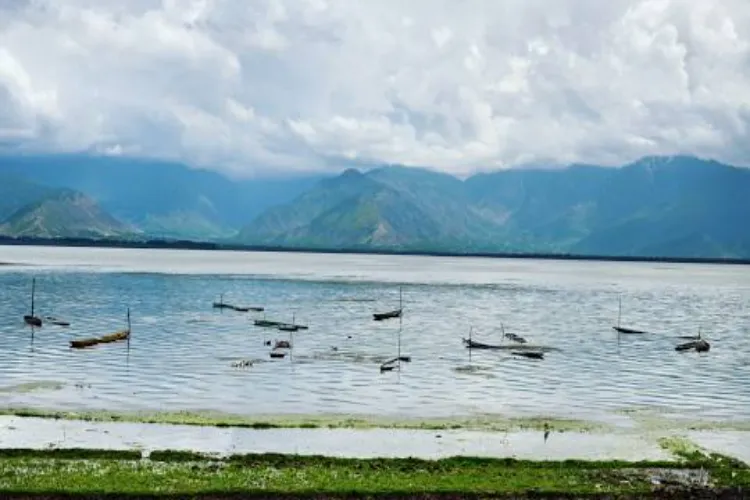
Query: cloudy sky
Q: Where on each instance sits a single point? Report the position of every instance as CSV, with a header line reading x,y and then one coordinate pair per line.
x,y
460,85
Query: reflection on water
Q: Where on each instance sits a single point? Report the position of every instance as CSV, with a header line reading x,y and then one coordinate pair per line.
x,y
182,350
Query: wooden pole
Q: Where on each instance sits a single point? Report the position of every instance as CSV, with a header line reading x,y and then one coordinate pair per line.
x,y
129,329
33,292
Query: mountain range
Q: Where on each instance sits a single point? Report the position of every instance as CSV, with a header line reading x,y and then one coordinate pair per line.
x,y
677,206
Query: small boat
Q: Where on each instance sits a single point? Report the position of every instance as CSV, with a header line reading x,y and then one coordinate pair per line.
x,y
223,305
283,344
57,322
288,327
387,315
515,338
699,344
472,344
277,354
529,354
30,319
622,329
396,313
107,339
267,323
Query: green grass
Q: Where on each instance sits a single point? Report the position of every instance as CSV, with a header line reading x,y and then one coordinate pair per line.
x,y
87,472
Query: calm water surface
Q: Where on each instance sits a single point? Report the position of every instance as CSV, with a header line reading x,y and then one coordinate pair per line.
x,y
182,350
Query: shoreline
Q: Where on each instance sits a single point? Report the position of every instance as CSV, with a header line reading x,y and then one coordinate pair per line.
x,y
370,442
58,458
157,244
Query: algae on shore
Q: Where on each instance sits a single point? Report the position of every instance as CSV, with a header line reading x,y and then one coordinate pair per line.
x,y
215,419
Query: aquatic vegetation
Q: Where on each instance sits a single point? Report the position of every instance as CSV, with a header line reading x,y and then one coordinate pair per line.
x,y
215,419
26,387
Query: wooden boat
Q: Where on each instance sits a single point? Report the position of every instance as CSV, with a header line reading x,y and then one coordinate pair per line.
x,y
267,323
107,339
622,329
289,327
396,313
699,345
472,344
387,315
277,354
30,319
57,322
625,330
529,354
515,338
223,305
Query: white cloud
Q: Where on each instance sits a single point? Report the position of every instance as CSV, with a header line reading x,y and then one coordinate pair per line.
x,y
259,86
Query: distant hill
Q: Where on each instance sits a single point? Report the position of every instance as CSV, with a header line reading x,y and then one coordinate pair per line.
x,y
64,213
163,199
17,192
656,207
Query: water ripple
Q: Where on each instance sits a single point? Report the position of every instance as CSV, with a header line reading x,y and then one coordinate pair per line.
x,y
182,351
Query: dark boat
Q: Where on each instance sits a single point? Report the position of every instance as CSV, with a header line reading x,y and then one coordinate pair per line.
x,y
57,322
515,338
387,315
391,314
288,327
529,354
277,354
622,329
267,323
472,344
30,319
223,305
699,344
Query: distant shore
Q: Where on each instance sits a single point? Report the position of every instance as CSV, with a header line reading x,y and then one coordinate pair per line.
x,y
198,245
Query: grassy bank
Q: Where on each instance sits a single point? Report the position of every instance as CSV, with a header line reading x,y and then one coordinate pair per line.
x,y
212,419
91,472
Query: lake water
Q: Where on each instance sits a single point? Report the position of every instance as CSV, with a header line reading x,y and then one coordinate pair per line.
x,y
182,350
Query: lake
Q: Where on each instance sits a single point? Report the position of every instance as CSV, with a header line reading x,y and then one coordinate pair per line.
x,y
181,352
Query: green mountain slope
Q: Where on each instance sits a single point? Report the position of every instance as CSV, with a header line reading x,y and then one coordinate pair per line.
x,y
671,206
65,214
17,192
164,199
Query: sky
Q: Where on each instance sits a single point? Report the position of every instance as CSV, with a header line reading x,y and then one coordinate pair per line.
x,y
252,87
